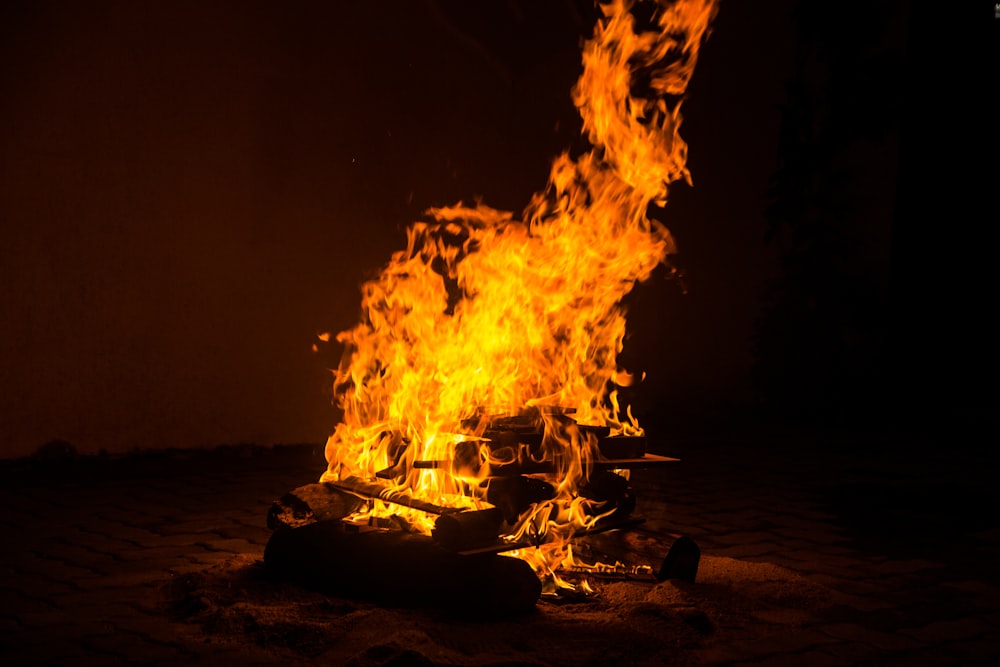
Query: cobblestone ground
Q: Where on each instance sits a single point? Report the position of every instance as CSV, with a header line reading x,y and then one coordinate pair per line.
x,y
904,532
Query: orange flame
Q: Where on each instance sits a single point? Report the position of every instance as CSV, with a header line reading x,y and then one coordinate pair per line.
x,y
484,315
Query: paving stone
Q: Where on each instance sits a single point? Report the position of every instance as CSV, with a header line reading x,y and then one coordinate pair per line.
x,y
807,533
810,658
984,648
212,557
55,570
136,648
848,652
800,556
745,537
79,556
36,586
924,657
232,546
252,534
787,642
78,629
90,540
894,567
109,597
150,626
863,603
161,553
746,550
140,577
949,631
134,518
857,633
53,653
975,587
834,576
725,654
44,615
118,531
194,525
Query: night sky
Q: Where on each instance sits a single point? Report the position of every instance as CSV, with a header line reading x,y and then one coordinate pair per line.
x,y
191,191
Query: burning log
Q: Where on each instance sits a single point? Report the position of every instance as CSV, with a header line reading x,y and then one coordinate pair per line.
x,y
513,495
612,490
401,569
362,489
311,503
459,531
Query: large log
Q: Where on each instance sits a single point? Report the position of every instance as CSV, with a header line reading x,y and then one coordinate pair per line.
x,y
460,531
513,495
400,569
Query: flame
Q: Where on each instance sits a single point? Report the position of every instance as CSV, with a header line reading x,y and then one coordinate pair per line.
x,y
486,315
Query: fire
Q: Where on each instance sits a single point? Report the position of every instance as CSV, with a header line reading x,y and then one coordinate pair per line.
x,y
487,317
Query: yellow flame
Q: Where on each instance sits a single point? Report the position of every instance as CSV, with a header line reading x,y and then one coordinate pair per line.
x,y
485,315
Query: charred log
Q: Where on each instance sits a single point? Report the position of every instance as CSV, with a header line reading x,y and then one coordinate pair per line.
x,y
513,495
612,491
673,556
460,531
311,503
681,562
401,569
364,489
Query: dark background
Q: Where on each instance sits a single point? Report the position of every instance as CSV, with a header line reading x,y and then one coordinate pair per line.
x,y
191,191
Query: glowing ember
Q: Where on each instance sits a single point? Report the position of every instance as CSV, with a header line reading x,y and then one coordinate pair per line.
x,y
488,319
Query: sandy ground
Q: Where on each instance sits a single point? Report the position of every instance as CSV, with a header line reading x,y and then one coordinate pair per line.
x,y
846,551
624,622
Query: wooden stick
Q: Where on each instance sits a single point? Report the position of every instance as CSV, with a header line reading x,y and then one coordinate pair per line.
x,y
363,489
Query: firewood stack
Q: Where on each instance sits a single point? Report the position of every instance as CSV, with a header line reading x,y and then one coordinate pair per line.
x,y
457,567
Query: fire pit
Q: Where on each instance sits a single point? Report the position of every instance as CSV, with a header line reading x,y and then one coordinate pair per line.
x,y
483,433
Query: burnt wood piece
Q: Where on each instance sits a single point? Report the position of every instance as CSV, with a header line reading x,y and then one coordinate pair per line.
x,y
646,545
513,495
513,438
396,568
459,531
612,490
311,503
681,562
604,525
643,573
364,489
395,450
532,437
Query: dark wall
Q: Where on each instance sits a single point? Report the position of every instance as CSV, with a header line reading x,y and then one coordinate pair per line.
x,y
190,192
943,343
